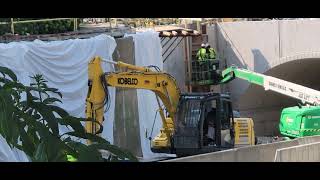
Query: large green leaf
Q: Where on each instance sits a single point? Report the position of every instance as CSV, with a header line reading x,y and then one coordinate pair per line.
x,y
8,124
120,153
85,153
29,102
56,149
74,122
4,80
41,128
36,89
43,85
41,153
7,71
88,136
62,113
89,154
53,90
32,133
13,85
16,96
51,100
69,148
27,143
48,115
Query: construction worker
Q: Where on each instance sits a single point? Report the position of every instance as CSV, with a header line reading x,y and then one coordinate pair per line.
x,y
209,127
210,52
201,54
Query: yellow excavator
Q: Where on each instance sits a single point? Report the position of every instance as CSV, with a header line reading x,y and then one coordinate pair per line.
x,y
193,123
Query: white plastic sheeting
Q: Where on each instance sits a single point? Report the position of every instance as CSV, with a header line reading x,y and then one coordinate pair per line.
x,y
11,56
148,51
65,65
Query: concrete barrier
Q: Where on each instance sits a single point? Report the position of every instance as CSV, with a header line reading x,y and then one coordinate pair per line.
x,y
307,140
258,153
226,156
261,153
302,153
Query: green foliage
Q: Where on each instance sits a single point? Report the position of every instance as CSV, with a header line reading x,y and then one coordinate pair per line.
x,y
48,27
32,124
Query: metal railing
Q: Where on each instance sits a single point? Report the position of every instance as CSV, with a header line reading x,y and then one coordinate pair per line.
x,y
12,22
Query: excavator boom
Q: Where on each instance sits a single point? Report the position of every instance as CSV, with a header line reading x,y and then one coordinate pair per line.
x,y
305,94
134,77
163,85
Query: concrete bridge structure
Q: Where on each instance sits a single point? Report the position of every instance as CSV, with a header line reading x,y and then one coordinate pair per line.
x,y
289,50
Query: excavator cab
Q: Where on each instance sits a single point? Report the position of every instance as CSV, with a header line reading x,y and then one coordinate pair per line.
x,y
204,123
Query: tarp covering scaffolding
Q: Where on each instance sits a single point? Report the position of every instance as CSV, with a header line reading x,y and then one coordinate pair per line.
x,y
64,64
148,51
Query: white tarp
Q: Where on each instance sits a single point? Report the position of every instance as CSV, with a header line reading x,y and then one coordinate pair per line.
x,y
148,51
65,65
11,56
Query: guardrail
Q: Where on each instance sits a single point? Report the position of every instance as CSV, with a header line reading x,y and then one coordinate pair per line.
x,y
12,22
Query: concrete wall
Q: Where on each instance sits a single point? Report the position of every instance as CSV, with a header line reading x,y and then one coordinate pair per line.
x,y
174,56
126,130
212,39
302,153
247,45
283,49
126,126
258,153
299,37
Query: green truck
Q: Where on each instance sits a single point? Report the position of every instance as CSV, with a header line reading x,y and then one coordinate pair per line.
x,y
297,121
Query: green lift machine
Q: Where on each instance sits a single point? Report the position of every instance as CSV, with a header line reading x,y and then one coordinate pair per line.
x,y
297,121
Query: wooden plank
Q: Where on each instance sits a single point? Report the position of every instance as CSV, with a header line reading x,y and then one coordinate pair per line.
x,y
174,33
184,32
196,32
166,28
83,34
166,33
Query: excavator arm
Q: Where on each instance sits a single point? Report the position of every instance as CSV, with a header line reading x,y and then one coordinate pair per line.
x,y
133,77
163,85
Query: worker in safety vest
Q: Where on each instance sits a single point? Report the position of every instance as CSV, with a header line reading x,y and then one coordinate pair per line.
x,y
201,54
210,52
